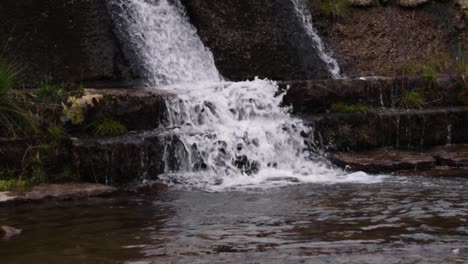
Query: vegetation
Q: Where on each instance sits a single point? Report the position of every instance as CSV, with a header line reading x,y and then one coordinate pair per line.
x,y
49,91
461,67
412,100
465,14
108,128
334,8
348,108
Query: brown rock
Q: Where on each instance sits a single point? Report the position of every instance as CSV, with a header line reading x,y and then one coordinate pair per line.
x,y
385,160
462,3
412,3
452,155
362,2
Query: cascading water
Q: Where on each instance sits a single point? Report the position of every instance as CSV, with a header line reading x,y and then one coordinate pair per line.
x,y
304,15
233,134
165,43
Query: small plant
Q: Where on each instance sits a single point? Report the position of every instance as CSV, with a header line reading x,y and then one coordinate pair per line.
x,y
14,119
461,67
334,8
13,185
49,91
412,100
73,112
348,108
465,14
108,128
55,132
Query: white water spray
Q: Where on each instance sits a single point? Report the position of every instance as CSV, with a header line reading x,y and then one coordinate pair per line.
x,y
166,44
233,135
325,54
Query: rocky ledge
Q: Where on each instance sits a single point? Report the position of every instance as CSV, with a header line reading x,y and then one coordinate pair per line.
x,y
74,191
449,161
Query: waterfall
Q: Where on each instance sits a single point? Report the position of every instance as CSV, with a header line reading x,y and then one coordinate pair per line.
x,y
166,46
231,134
325,54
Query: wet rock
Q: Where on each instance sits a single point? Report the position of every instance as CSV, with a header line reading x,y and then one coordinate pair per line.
x,y
138,108
85,48
8,231
463,4
412,3
362,2
317,96
385,160
389,128
452,155
58,192
147,187
128,159
252,38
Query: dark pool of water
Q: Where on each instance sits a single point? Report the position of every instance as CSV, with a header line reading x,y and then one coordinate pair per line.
x,y
398,221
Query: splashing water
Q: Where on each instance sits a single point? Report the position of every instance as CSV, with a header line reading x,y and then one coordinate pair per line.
x,y
230,134
325,54
167,47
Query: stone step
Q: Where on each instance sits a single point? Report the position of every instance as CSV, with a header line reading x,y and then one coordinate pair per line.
x,y
389,128
317,96
447,161
138,108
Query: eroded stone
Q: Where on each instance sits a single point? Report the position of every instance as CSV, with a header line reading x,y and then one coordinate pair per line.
x,y
452,155
385,160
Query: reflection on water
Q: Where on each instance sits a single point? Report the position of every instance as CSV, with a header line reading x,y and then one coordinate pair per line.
x,y
405,221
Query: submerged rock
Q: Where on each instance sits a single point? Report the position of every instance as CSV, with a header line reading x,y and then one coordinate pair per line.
x,y
8,231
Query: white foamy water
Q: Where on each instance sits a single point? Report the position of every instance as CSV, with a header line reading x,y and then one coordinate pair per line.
x,y
166,44
232,134
325,54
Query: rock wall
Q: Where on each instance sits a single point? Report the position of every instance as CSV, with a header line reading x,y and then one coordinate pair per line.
x,y
381,38
256,38
60,39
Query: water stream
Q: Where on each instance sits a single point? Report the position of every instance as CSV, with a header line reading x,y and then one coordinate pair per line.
x,y
234,135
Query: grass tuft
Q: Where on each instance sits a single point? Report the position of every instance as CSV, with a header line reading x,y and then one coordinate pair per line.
x,y
348,108
412,100
14,118
109,128
334,8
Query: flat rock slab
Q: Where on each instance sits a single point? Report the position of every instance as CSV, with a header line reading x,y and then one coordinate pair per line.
x,y
385,160
452,155
58,191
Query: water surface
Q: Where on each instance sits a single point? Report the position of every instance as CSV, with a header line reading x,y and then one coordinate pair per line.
x,y
400,220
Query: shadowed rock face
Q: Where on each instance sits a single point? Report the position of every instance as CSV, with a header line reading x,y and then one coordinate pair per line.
x,y
252,38
63,39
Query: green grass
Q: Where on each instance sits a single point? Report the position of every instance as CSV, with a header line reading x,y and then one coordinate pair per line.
x,y
108,128
412,100
334,8
461,67
348,108
49,91
13,185
14,118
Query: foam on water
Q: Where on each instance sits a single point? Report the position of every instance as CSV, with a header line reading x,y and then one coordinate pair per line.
x,y
231,135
